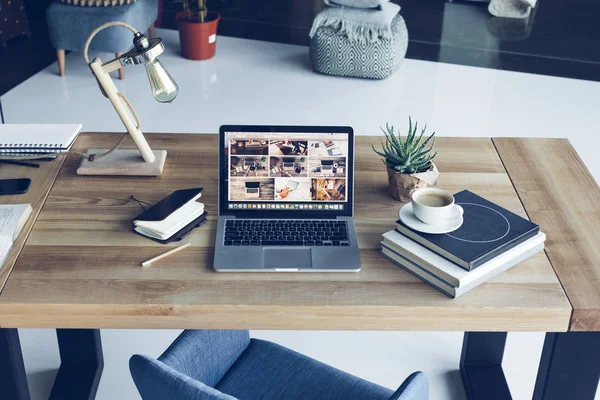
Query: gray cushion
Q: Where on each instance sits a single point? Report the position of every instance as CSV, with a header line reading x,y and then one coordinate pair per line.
x,y
332,53
69,25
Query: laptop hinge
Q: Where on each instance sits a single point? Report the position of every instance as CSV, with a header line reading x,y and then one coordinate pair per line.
x,y
282,217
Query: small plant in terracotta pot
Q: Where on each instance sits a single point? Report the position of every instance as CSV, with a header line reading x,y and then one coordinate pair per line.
x,y
197,30
409,161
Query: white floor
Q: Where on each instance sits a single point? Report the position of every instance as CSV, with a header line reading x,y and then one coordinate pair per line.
x,y
250,82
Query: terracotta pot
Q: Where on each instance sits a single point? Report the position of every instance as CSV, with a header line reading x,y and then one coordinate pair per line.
x,y
400,186
198,39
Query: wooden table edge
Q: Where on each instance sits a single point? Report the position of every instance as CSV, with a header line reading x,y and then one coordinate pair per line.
x,y
584,318
283,317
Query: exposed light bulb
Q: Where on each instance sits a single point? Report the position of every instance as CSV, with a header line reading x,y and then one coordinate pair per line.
x,y
164,88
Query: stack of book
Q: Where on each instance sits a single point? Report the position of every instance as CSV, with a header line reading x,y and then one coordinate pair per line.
x,y
490,241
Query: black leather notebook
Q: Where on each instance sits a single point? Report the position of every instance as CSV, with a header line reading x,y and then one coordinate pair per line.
x,y
165,208
488,230
161,210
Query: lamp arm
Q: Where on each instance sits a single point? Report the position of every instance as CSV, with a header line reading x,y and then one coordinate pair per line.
x,y
114,96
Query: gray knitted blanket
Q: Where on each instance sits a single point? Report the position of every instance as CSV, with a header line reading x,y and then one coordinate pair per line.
x,y
360,25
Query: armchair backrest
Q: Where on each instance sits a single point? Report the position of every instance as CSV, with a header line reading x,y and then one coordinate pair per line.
x,y
192,365
157,381
415,387
206,355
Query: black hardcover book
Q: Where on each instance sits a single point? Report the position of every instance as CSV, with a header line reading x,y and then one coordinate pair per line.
x,y
488,230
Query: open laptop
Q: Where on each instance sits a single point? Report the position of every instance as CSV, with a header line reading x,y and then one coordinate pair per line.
x,y
288,164
308,228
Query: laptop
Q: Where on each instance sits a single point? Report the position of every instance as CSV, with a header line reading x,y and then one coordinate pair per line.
x,y
326,167
252,190
307,228
289,164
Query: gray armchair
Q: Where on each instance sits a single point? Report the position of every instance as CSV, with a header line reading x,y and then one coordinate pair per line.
x,y
228,365
70,25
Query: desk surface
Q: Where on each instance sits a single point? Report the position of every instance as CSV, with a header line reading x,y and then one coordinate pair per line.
x,y
42,180
80,265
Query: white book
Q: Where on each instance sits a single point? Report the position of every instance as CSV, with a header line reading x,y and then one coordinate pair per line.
x,y
37,138
446,288
12,219
446,270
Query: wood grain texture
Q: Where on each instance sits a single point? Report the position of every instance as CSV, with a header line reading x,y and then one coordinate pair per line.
x,y
561,195
41,181
80,267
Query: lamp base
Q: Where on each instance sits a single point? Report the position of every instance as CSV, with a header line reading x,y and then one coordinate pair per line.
x,y
123,162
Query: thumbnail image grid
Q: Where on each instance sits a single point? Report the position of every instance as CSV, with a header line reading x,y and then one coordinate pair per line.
x,y
287,170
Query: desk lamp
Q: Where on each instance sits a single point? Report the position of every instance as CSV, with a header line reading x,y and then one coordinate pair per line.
x,y
164,89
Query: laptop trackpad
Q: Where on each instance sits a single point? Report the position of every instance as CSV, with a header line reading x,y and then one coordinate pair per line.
x,y
287,258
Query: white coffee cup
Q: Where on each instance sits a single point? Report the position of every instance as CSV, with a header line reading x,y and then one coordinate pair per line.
x,y
434,206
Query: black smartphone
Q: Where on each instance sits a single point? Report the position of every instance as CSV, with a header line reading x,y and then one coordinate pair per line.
x,y
14,186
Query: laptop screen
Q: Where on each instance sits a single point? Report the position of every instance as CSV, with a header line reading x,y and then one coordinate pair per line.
x,y
286,170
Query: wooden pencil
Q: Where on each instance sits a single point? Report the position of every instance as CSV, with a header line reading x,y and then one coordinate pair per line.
x,y
165,254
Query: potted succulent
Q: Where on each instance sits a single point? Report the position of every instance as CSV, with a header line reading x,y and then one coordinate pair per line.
x,y
197,30
409,161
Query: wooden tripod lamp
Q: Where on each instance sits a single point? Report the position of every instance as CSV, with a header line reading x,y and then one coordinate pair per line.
x,y
144,161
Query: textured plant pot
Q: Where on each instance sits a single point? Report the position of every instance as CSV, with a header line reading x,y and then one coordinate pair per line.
x,y
400,186
198,39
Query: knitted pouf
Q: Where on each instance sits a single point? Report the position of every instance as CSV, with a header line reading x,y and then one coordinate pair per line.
x,y
332,53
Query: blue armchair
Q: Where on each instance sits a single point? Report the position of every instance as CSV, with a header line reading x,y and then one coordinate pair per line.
x,y
228,365
70,25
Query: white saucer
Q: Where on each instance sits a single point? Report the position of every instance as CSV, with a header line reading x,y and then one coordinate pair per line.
x,y
409,219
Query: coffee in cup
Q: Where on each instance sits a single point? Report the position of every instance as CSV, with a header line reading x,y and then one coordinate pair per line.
x,y
434,206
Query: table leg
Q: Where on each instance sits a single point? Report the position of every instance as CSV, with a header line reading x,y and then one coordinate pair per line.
x,y
81,364
481,366
13,379
569,366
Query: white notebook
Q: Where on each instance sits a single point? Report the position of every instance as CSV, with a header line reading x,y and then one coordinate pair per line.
x,y
12,219
37,138
173,223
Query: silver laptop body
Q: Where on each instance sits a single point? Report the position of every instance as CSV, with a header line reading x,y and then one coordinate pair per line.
x,y
299,225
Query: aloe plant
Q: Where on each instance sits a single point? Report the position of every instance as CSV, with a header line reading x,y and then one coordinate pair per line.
x,y
410,155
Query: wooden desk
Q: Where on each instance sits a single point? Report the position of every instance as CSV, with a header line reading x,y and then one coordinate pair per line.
x,y
80,266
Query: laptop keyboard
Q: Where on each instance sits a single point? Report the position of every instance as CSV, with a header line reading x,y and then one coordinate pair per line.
x,y
269,232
